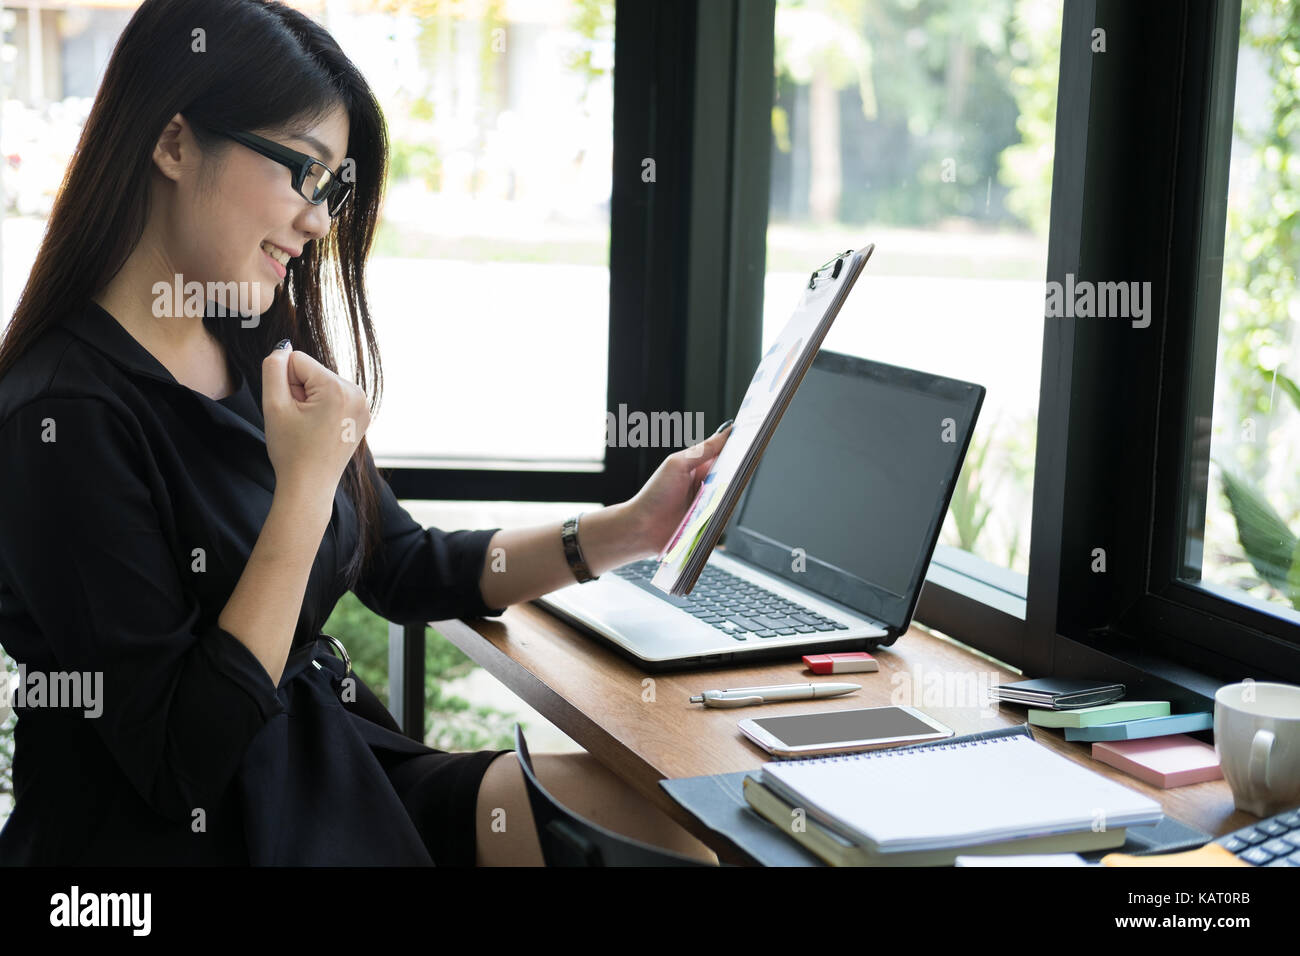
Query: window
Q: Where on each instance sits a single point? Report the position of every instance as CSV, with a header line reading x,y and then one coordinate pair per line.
x,y
491,268
928,130
1134,574
1239,537
491,265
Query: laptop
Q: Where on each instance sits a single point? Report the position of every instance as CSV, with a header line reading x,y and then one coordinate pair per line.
x,y
828,546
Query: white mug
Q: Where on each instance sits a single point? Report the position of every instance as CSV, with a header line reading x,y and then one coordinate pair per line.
x,y
1257,740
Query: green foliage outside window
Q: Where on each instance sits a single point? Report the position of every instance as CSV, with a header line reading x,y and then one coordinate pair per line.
x,y
1258,320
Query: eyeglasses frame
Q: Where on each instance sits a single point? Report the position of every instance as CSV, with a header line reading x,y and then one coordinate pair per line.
x,y
298,163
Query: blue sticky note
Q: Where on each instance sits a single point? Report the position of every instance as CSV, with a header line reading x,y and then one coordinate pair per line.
x,y
1147,727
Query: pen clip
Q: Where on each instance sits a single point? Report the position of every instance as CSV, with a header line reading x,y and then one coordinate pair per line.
x,y
835,265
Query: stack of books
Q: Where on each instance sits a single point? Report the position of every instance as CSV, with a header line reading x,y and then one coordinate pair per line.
x,y
999,792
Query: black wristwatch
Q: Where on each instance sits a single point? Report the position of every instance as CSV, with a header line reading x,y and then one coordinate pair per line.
x,y
569,536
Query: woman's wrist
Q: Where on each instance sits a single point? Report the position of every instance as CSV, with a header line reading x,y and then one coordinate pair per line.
x,y
611,537
312,501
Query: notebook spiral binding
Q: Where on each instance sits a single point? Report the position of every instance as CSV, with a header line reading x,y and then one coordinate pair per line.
x,y
886,751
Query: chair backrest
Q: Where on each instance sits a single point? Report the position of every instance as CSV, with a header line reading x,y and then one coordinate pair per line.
x,y
569,840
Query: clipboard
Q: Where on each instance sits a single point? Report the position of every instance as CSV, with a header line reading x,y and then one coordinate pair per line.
x,y
775,381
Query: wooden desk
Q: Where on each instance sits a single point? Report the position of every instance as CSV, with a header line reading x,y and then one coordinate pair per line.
x,y
642,726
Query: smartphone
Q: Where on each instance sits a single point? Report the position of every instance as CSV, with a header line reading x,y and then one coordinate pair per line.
x,y
842,731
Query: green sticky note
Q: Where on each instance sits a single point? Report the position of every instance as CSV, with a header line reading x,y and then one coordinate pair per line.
x,y
1100,714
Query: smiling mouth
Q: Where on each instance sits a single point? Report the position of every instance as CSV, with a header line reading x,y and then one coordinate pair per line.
x,y
276,253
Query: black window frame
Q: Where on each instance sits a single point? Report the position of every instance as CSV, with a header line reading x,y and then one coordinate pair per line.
x,y
1143,142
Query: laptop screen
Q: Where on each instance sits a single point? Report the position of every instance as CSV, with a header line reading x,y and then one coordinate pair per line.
x,y
850,495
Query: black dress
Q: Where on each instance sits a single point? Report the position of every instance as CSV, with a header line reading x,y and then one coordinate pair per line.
x,y
120,542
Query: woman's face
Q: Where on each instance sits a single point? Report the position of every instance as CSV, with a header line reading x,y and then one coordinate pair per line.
x,y
218,230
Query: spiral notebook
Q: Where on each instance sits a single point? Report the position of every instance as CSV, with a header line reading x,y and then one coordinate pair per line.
x,y
936,796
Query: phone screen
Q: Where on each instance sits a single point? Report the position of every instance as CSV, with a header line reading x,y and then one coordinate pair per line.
x,y
874,723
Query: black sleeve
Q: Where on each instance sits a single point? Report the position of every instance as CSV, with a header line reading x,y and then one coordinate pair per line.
x,y
423,574
82,545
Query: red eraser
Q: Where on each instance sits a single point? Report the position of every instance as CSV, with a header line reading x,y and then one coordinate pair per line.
x,y
844,663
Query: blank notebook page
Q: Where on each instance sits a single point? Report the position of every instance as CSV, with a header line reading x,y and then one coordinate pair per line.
x,y
954,794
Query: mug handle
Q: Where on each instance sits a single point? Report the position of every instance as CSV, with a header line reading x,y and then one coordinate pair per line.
x,y
1260,748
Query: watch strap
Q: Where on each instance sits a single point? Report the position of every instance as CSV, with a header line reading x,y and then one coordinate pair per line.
x,y
573,552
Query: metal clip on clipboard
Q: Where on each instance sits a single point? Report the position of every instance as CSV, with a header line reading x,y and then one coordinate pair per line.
x,y
834,265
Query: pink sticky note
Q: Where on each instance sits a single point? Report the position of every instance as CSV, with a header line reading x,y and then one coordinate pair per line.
x,y
1175,760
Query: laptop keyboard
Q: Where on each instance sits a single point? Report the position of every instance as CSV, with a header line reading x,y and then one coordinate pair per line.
x,y
1271,842
734,606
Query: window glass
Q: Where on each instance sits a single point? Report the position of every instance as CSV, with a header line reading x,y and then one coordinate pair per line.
x,y
928,129
489,278
1241,536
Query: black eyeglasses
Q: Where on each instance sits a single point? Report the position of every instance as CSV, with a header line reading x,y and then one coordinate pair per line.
x,y
313,180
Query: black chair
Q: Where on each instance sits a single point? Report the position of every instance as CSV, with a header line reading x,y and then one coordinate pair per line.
x,y
569,840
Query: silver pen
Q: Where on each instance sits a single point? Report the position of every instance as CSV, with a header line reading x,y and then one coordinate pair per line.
x,y
744,696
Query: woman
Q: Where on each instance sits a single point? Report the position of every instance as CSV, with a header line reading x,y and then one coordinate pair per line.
x,y
184,498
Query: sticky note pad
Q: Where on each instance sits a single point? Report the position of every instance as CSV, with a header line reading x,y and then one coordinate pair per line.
x,y
1100,714
1174,761
1146,727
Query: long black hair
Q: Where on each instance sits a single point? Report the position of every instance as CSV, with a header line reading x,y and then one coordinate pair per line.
x,y
226,65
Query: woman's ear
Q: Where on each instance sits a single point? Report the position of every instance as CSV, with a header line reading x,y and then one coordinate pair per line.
x,y
176,148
